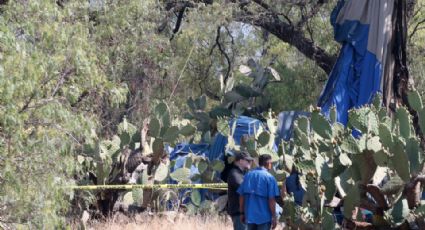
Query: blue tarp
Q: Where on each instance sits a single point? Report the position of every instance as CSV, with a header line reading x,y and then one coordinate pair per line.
x,y
183,149
286,121
361,26
179,154
244,126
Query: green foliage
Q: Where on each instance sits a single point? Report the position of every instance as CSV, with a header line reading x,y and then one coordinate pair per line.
x,y
403,117
416,48
351,201
161,173
48,62
301,81
415,100
263,138
77,80
399,212
195,196
181,175
320,125
187,130
67,71
218,165
329,155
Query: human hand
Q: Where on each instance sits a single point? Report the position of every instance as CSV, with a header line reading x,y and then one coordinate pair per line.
x,y
242,217
283,191
274,222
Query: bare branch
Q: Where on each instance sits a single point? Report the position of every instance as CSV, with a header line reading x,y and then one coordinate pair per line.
x,y
417,11
295,37
179,19
263,4
230,35
272,12
223,52
416,28
25,107
64,76
272,21
306,17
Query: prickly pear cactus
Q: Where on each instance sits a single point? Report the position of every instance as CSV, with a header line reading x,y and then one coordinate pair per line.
x,y
378,167
134,155
102,155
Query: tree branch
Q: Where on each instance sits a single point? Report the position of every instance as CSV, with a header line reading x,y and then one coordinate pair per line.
x,y
179,21
416,29
64,76
223,52
304,18
25,107
293,36
286,31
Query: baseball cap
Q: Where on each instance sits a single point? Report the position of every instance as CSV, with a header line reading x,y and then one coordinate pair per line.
x,y
243,155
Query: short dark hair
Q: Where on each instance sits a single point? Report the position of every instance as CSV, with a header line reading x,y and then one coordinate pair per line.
x,y
262,160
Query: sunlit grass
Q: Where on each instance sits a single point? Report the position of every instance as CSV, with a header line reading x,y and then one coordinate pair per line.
x,y
165,221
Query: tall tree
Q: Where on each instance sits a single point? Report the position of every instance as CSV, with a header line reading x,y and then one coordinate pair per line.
x,y
290,21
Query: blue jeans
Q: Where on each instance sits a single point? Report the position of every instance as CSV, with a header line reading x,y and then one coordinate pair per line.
x,y
237,223
265,226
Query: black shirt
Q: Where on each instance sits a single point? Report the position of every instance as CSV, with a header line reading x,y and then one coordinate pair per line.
x,y
234,180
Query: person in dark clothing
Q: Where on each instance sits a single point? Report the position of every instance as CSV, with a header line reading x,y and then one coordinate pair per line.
x,y
241,165
293,186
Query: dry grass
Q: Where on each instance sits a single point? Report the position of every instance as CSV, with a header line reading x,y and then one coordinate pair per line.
x,y
166,221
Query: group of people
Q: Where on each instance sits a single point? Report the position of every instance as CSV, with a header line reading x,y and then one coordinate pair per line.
x,y
253,194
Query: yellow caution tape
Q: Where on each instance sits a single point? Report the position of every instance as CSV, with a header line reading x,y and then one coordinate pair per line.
x,y
148,186
218,186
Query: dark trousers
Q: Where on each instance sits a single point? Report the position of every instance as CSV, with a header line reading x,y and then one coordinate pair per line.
x,y
265,226
237,223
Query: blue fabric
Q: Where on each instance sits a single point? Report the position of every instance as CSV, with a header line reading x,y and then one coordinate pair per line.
x,y
244,126
356,76
335,12
183,149
179,155
338,215
257,188
217,147
286,121
293,186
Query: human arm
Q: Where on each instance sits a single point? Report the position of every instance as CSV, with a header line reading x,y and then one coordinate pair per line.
x,y
272,207
240,191
283,192
273,193
242,208
235,179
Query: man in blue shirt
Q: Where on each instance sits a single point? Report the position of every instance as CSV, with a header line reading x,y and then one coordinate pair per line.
x,y
257,200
